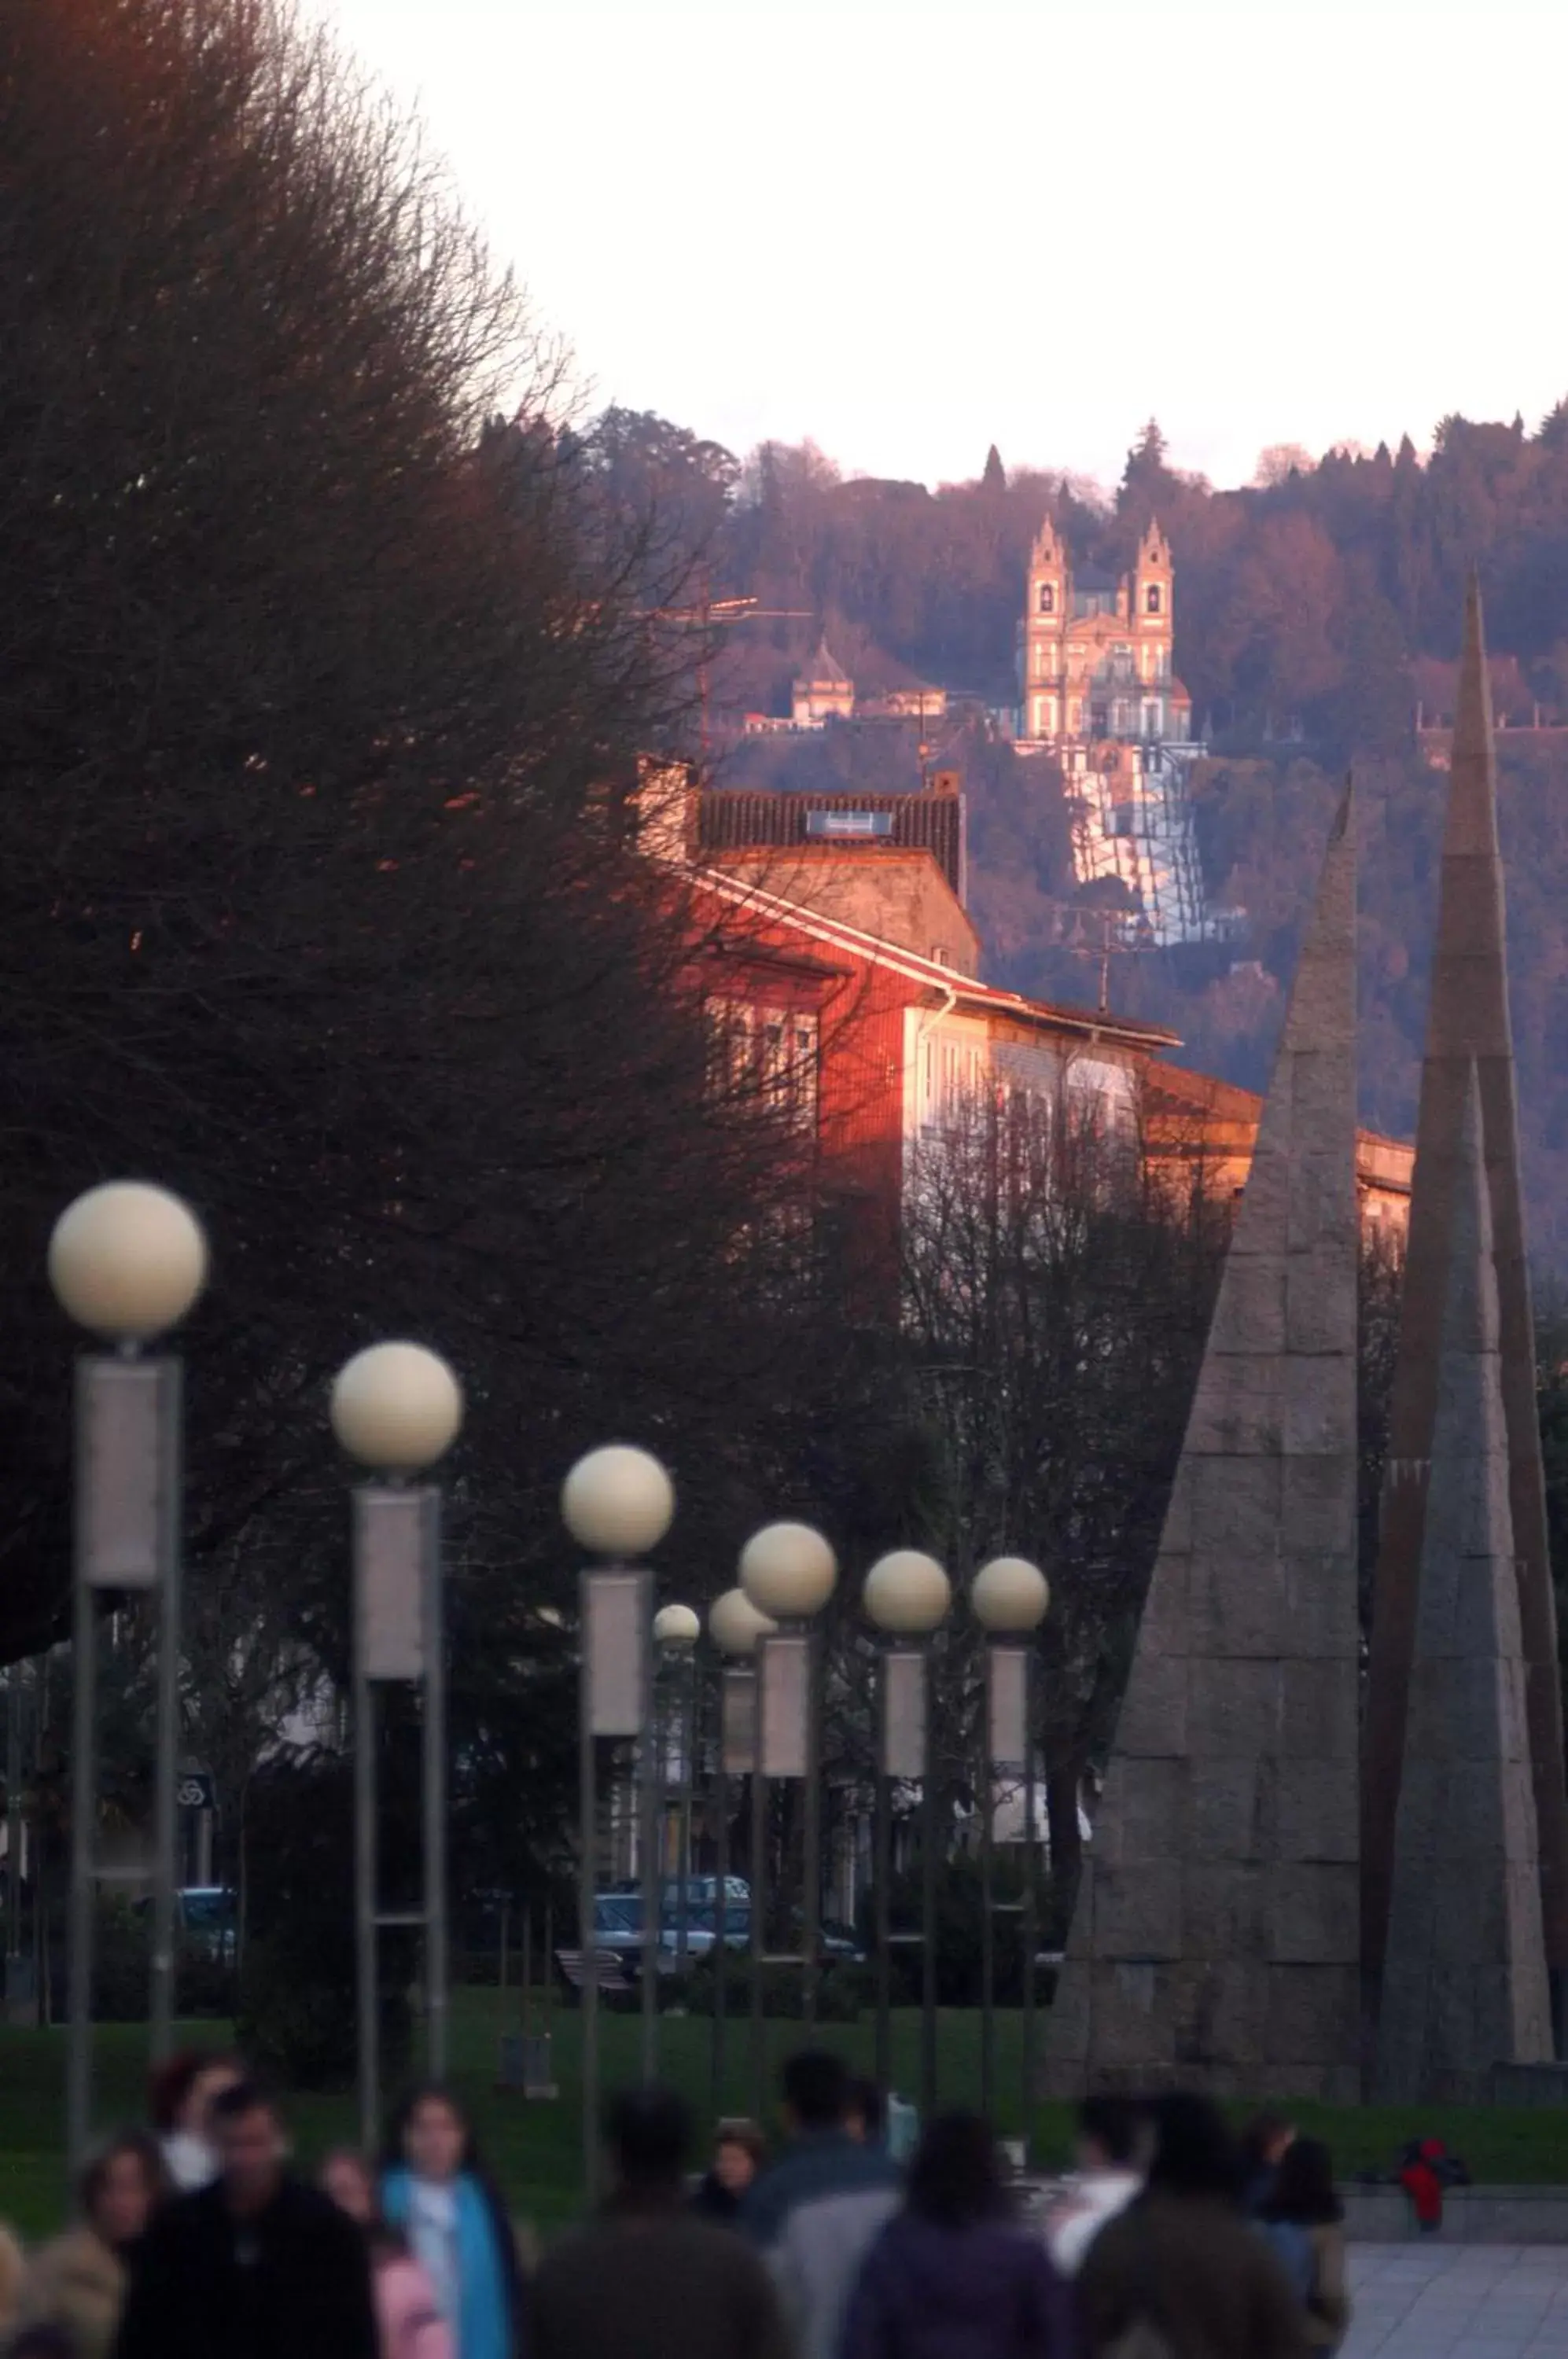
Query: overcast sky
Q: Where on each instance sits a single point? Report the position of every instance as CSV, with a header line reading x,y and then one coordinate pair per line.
x,y
910,231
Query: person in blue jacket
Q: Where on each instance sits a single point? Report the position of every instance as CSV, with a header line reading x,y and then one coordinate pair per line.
x,y
437,2193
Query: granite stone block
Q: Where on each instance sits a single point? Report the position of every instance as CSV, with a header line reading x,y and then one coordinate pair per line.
x,y
1234,1708
1318,1406
1138,1912
1320,1606
1220,2011
1318,1719
1229,1809
1147,1823
1236,1508
1314,2014
1318,1812
1238,1409
1314,1913
1235,1612
1154,1714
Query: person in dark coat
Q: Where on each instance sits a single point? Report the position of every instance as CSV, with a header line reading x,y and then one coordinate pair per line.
x,y
649,2278
1184,2263
952,2274
740,2150
256,2267
817,2213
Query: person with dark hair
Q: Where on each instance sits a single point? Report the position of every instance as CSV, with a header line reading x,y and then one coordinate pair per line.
x,y
406,2310
437,2192
78,2282
180,2098
1182,2262
1108,2176
817,2213
953,2275
1304,2206
1265,2142
650,2278
739,2152
255,2267
866,2117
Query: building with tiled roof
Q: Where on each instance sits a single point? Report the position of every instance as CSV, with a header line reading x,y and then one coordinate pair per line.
x,y
823,690
1199,1134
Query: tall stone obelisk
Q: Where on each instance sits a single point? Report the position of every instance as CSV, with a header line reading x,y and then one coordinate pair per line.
x,y
1215,1938
1464,1982
1468,1023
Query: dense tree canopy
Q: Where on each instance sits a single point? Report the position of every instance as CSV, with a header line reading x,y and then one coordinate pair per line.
x,y
320,688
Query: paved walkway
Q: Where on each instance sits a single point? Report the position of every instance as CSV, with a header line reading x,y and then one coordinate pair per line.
x,y
1472,2301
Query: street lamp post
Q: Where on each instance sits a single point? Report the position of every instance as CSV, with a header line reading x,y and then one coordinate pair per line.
x,y
1009,1599
397,1409
735,1627
788,1571
676,1630
907,1595
616,1503
126,1261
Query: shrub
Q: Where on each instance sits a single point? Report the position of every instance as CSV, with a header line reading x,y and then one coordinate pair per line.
x,y
842,1990
297,2016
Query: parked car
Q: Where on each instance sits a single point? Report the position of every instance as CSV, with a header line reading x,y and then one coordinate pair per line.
x,y
701,1890
836,1942
617,1926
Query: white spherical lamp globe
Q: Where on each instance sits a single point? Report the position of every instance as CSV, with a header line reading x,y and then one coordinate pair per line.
x,y
397,1408
676,1626
735,1626
618,1500
787,1570
128,1260
907,1594
1010,1596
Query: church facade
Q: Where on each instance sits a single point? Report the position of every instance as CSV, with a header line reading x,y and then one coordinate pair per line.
x,y
1095,655
1099,692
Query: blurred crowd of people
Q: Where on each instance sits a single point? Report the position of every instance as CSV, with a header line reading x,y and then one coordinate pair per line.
x,y
1171,2239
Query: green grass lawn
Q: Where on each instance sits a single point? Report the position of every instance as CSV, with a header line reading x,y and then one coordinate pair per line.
x,y
536,2147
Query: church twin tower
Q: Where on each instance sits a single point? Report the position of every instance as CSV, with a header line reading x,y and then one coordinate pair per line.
x,y
1094,652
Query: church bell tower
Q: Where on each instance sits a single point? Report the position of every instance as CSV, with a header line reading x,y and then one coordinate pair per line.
x,y
1045,625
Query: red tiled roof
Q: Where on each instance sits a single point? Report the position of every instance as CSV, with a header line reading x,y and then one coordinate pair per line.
x,y
960,990
733,818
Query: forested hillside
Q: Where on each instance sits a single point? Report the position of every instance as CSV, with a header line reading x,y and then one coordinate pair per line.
x,y
1315,612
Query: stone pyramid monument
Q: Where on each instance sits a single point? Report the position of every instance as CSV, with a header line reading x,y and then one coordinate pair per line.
x,y
1215,1941
1464,1982
1468,1031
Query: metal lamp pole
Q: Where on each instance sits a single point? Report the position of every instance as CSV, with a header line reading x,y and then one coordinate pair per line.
x,y
907,1595
397,1409
676,1631
617,1503
1009,1599
126,1261
735,1626
788,1573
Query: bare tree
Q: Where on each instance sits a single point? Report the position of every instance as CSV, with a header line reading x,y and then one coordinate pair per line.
x,y
1056,1300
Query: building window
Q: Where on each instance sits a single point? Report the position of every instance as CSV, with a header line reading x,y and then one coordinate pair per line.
x,y
766,1055
1048,598
1151,598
